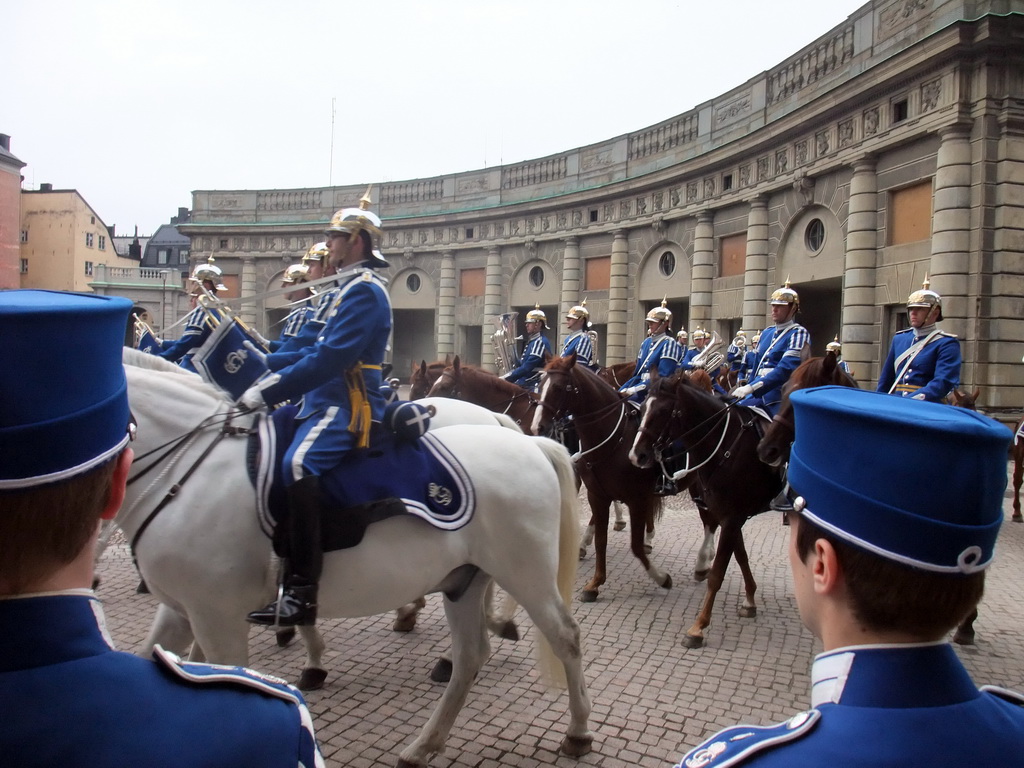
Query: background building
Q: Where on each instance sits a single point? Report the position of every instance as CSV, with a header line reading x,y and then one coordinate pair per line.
x,y
889,148
10,215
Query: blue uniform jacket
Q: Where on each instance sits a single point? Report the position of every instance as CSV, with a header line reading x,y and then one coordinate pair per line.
x,y
69,699
293,323
347,354
934,371
776,357
884,707
687,363
292,349
198,327
527,375
580,343
657,352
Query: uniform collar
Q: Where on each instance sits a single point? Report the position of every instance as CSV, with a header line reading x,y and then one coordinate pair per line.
x,y
786,325
891,676
920,333
52,628
658,336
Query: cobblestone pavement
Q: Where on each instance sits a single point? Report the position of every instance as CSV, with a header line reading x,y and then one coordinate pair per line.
x,y
652,699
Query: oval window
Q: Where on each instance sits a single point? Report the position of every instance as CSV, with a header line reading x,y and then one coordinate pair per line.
x,y
667,263
412,282
537,277
814,235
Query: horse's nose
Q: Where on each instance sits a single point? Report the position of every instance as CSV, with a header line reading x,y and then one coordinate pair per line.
x,y
639,457
770,455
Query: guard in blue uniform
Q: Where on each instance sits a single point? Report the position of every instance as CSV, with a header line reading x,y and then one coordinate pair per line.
x,y
579,340
749,360
777,355
537,349
836,348
339,379
201,320
683,340
69,698
923,362
302,298
736,353
659,351
888,548
700,341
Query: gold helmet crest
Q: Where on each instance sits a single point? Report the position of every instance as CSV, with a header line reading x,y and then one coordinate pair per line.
x,y
296,273
209,271
660,314
834,345
352,221
537,315
579,312
682,336
316,252
700,334
925,297
785,295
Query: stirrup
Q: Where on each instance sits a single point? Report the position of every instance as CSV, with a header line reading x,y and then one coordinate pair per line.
x,y
294,607
781,502
665,486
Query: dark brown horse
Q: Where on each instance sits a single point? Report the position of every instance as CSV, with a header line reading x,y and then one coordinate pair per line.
x,y
719,442
617,374
606,424
424,376
475,385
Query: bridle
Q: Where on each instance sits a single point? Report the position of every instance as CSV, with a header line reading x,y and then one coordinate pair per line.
x,y
562,414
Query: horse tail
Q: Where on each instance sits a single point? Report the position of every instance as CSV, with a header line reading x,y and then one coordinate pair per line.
x,y
506,421
551,670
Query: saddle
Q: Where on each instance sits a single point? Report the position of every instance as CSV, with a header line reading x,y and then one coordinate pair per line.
x,y
409,464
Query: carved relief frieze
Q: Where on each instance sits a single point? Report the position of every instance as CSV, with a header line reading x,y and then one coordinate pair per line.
x,y
577,219
641,206
692,191
781,160
453,234
871,120
624,209
930,94
530,226
393,239
762,168
745,175
709,188
485,230
237,243
845,133
469,185
225,201
659,200
408,238
899,16
608,212
438,236
255,244
513,228
423,236
673,196
545,223
733,109
596,158
821,144
800,152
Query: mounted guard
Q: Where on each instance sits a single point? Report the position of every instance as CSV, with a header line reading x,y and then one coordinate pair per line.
x,y
658,351
836,348
302,298
537,350
581,338
206,314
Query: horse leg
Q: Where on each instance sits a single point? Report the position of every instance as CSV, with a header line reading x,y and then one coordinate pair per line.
x,y
1018,476
313,674
706,553
405,617
649,537
694,637
170,630
620,517
748,609
470,649
640,514
964,634
599,510
501,622
587,538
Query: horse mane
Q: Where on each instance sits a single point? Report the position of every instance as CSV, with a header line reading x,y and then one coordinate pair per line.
x,y
493,380
817,371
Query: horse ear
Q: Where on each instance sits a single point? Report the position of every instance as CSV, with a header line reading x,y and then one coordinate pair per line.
x,y
977,391
423,367
447,359
829,363
456,363
572,359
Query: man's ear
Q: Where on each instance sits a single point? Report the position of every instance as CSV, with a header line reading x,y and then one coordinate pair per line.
x,y
826,571
118,481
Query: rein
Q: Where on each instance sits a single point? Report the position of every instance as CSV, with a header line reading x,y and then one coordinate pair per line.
x,y
592,417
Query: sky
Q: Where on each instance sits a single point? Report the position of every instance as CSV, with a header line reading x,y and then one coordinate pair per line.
x,y
136,103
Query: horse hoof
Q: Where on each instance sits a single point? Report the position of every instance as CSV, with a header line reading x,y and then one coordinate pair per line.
x,y
95,582
701,575
403,763
311,679
142,589
785,518
689,641
404,624
1017,517
648,549
509,631
748,611
588,596
963,638
619,526
583,553
285,636
577,746
442,671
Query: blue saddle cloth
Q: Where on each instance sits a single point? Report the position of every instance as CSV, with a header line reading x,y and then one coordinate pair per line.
x,y
421,472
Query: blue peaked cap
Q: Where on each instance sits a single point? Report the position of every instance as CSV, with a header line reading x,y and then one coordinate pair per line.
x,y
63,410
916,482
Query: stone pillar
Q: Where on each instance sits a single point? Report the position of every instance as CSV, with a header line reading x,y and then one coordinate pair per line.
x,y
951,227
860,333
247,284
571,280
446,307
755,276
703,271
618,297
492,307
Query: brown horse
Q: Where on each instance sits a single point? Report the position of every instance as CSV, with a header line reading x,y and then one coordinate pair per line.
x,y
424,376
617,374
1018,471
606,424
475,385
720,440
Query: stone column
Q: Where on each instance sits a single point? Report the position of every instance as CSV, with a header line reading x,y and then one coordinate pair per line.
x,y
571,281
860,332
703,271
492,306
248,310
951,227
618,296
446,307
755,276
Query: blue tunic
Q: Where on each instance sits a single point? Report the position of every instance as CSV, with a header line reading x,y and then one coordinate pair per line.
x,y
933,372
884,707
527,375
198,326
293,323
293,348
338,377
776,357
70,699
580,343
661,353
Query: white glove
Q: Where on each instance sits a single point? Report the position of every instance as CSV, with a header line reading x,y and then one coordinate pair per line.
x,y
628,391
259,353
744,391
917,397
252,399
697,365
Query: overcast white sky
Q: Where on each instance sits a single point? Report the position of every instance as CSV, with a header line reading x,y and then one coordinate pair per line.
x,y
136,103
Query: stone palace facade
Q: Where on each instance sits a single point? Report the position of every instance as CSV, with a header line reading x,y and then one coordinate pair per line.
x,y
888,149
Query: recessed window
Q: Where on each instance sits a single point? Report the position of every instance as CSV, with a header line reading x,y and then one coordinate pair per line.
x,y
183,256
469,233
536,277
593,215
900,111
161,256
667,263
814,235
412,283
103,243
24,266
89,239
223,242
92,219
727,181
24,235
88,269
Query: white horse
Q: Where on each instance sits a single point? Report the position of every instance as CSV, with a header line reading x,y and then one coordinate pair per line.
x,y
205,557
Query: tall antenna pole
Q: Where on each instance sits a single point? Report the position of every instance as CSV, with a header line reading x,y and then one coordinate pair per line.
x,y
330,175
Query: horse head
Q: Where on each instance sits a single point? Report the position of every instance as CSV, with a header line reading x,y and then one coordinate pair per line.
x,y
968,400
448,383
556,388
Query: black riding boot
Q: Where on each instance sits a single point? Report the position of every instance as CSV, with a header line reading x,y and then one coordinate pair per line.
x,y
297,605
665,486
